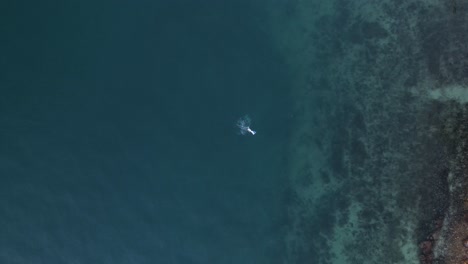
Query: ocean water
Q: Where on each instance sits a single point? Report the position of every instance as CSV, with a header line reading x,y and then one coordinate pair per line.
x,y
119,143
118,136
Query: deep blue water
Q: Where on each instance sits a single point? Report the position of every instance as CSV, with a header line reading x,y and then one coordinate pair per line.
x,y
118,138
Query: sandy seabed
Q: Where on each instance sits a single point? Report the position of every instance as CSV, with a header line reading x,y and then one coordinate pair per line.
x,y
379,90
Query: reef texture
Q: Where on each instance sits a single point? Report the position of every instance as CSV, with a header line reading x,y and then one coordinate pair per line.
x,y
378,166
448,243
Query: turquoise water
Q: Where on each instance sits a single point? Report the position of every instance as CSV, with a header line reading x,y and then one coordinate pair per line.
x,y
118,133
119,141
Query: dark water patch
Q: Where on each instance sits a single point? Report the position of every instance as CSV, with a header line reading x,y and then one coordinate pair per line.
x,y
443,45
358,152
433,62
343,218
373,30
354,34
361,31
306,255
367,216
289,7
372,51
324,176
326,39
336,158
357,122
318,83
305,177
318,143
291,197
342,15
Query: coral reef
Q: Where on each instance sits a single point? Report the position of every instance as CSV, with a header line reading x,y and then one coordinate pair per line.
x,y
378,163
451,241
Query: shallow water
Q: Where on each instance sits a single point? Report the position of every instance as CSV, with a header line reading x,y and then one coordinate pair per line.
x,y
376,163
